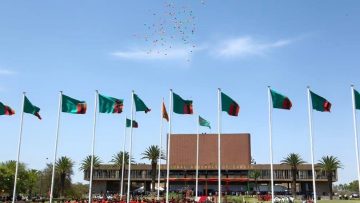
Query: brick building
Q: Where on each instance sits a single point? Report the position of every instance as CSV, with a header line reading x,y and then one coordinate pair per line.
x,y
235,169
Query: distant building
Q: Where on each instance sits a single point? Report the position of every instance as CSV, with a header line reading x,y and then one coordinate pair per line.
x,y
235,169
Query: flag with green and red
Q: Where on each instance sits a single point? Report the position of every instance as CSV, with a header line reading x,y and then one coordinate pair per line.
x,y
182,106
74,106
110,104
134,123
140,105
280,101
30,108
229,105
319,103
6,110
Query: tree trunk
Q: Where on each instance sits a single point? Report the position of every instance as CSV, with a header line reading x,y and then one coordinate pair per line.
x,y
329,177
62,184
293,182
153,175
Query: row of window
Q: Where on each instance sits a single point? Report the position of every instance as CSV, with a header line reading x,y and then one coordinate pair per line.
x,y
264,174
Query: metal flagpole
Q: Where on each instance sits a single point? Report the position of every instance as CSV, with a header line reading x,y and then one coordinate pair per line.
x,y
123,164
271,147
56,146
130,147
19,146
219,145
311,142
356,136
159,170
168,148
93,146
197,160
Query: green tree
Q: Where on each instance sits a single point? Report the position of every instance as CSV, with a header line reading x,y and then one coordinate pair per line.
x,y
152,153
77,191
86,164
293,160
255,174
117,159
7,173
329,164
32,178
354,186
64,167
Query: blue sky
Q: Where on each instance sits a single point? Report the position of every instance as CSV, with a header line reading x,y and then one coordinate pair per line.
x,y
240,46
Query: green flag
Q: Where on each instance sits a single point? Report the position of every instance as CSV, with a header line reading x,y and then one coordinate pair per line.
x,y
280,101
319,103
6,110
229,105
110,104
71,105
31,109
134,123
182,106
203,122
140,105
357,99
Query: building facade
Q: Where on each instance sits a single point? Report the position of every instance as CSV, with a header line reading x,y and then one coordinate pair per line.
x,y
236,169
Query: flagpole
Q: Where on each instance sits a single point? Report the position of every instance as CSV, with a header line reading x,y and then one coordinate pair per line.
x,y
197,159
130,147
271,147
93,146
123,164
19,146
356,136
219,145
159,170
56,146
311,142
168,147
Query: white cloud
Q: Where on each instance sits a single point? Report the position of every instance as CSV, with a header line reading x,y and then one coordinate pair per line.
x,y
6,72
141,54
246,46
235,47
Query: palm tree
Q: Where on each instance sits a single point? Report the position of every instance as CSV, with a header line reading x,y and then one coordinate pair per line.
x,y
255,174
64,167
294,160
329,164
117,158
152,153
86,163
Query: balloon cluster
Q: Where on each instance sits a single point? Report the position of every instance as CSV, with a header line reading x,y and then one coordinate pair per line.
x,y
173,26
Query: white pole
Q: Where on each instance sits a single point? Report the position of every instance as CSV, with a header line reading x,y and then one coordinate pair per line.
x,y
123,164
197,160
56,146
168,147
356,136
130,147
271,147
160,146
93,146
219,145
18,151
311,143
